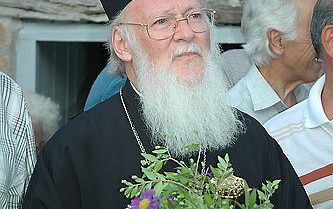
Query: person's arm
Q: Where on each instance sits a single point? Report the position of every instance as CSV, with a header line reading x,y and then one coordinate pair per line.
x,y
17,144
25,157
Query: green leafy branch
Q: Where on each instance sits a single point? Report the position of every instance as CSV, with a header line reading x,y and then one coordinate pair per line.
x,y
186,187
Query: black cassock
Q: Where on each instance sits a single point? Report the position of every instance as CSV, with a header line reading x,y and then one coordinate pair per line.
x,y
83,163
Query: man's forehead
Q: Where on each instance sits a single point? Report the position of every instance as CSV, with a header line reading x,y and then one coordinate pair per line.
x,y
149,8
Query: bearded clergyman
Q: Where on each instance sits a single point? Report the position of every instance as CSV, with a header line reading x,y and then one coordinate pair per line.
x,y
175,94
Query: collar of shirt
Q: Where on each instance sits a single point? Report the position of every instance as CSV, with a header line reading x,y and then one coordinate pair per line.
x,y
314,114
261,93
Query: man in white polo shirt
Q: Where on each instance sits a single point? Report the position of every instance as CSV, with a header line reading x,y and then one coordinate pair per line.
x,y
305,131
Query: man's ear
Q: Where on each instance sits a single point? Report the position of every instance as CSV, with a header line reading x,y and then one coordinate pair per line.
x,y
120,45
275,42
327,39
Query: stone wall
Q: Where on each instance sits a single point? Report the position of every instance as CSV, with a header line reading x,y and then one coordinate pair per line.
x,y
228,11
53,10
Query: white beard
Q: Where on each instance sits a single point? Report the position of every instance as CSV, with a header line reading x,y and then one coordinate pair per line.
x,y
178,113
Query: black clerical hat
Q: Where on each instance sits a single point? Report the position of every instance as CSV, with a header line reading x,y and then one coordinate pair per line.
x,y
112,7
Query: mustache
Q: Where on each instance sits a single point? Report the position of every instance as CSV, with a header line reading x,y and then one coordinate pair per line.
x,y
188,48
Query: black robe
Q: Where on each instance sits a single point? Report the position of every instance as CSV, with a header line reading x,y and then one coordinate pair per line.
x,y
83,163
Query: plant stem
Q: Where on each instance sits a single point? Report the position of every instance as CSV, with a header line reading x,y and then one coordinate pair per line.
x,y
176,161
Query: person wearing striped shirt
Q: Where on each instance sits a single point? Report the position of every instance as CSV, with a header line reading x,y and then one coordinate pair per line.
x,y
17,145
305,131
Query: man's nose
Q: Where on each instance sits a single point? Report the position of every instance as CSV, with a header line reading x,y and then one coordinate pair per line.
x,y
183,31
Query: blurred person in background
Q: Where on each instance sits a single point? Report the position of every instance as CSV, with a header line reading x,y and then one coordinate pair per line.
x,y
277,37
106,85
45,115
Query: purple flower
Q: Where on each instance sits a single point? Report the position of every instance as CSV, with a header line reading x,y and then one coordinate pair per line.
x,y
147,200
210,175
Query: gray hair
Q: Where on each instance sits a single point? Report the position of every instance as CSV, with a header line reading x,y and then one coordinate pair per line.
x,y
259,16
115,63
322,16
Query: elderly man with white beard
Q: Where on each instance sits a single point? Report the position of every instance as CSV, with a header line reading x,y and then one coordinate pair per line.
x,y
174,94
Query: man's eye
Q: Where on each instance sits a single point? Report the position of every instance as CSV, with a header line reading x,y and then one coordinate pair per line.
x,y
161,21
196,15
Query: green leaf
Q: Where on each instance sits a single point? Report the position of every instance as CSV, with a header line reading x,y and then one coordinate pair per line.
x,y
211,187
149,157
127,183
148,186
226,158
127,193
185,171
246,194
150,175
160,177
183,180
160,151
215,171
171,176
261,196
208,199
159,188
141,188
253,198
135,192
139,180
158,166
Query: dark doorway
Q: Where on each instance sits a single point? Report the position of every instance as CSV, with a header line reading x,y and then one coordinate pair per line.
x,y
66,71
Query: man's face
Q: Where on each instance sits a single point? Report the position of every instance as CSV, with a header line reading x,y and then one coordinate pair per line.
x,y
187,66
299,54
